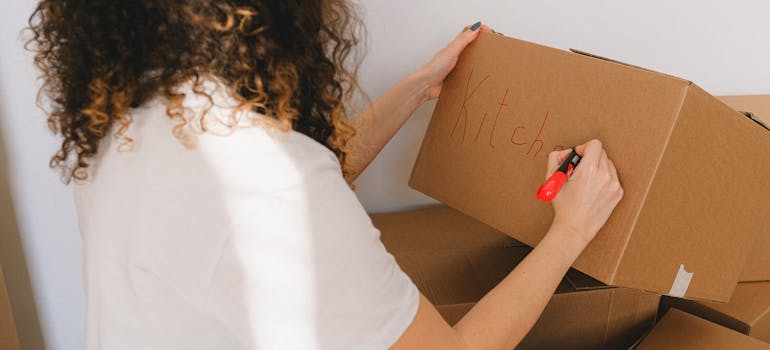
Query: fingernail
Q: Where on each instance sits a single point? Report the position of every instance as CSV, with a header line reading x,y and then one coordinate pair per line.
x,y
476,26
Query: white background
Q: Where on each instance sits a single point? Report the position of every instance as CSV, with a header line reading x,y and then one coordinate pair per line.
x,y
724,46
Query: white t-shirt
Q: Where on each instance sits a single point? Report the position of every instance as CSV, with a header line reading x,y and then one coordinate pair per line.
x,y
248,241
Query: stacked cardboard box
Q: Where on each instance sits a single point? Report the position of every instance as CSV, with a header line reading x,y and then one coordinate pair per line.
x,y
455,260
679,330
748,311
695,219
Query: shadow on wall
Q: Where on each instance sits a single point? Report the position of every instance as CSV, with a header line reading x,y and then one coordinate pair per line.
x,y
14,266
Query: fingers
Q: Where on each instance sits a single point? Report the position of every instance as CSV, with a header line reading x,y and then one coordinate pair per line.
x,y
472,27
555,159
461,41
466,36
591,153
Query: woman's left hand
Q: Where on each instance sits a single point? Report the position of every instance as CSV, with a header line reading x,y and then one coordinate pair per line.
x,y
444,61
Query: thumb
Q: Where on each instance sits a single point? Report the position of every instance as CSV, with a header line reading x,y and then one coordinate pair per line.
x,y
466,36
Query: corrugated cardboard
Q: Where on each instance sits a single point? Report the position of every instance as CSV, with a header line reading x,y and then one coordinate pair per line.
x,y
681,331
757,267
747,312
8,338
455,261
687,161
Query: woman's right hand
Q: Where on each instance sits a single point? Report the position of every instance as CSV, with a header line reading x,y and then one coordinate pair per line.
x,y
590,195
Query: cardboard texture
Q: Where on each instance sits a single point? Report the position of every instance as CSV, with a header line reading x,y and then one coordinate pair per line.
x,y
757,267
455,261
8,338
747,312
681,331
687,161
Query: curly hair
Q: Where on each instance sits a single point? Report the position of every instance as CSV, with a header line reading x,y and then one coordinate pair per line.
x,y
285,59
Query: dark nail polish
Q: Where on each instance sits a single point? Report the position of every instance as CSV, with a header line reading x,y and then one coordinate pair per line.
x,y
476,26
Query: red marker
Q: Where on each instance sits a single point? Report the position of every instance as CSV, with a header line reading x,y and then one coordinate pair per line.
x,y
548,191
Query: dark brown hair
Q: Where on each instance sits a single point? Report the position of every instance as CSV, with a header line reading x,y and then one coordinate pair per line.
x,y
285,59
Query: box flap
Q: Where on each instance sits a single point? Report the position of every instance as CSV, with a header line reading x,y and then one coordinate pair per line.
x,y
584,53
610,318
581,281
452,258
680,330
749,304
436,228
453,276
757,105
748,311
700,216
632,313
757,267
761,329
756,119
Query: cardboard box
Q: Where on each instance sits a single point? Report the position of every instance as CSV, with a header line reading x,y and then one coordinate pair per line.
x,y
455,261
8,338
679,330
688,162
759,105
747,312
757,267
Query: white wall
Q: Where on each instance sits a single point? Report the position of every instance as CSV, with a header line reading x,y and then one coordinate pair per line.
x,y
722,45
44,207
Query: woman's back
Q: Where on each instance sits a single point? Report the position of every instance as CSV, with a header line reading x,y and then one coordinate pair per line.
x,y
251,240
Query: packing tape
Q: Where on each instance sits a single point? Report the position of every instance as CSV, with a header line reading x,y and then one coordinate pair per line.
x,y
681,282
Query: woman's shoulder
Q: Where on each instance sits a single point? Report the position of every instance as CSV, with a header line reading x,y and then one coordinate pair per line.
x,y
206,129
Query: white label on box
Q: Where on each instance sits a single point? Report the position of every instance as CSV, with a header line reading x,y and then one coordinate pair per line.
x,y
681,282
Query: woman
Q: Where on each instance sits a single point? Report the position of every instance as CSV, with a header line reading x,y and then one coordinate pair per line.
x,y
212,155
